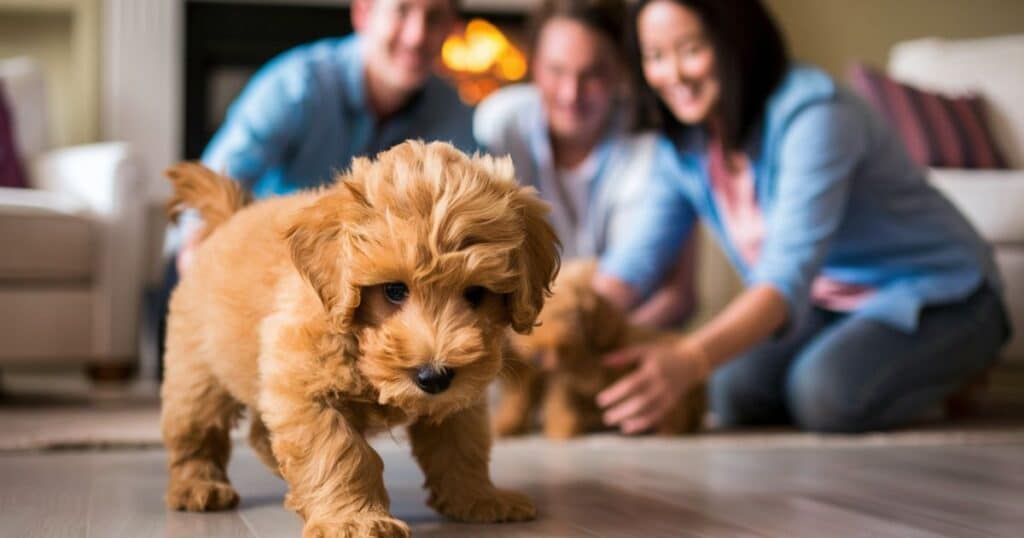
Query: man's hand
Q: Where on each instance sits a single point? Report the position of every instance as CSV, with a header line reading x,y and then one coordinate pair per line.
x,y
188,249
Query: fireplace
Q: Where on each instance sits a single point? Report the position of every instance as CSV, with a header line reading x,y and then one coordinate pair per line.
x,y
226,42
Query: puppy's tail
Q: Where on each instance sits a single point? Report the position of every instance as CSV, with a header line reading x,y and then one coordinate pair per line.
x,y
214,196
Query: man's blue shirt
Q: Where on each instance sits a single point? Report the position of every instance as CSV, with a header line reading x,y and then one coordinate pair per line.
x,y
305,115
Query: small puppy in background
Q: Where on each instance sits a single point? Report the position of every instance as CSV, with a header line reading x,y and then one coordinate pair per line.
x,y
384,299
557,368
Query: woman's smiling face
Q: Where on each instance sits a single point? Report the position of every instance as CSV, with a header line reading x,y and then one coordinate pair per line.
x,y
678,60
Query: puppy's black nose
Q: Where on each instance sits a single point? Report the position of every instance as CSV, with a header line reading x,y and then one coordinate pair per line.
x,y
432,380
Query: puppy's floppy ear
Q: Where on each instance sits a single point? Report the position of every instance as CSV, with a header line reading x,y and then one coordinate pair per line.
x,y
317,243
537,261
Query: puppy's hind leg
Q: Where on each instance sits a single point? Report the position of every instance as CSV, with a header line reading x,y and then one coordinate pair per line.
x,y
687,415
259,440
563,418
196,420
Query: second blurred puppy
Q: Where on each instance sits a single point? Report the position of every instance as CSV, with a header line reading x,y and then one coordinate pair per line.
x,y
558,371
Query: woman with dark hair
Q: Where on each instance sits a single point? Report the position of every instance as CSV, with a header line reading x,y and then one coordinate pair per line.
x,y
568,133
869,298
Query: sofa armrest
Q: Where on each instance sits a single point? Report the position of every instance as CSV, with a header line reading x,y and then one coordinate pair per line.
x,y
107,179
104,176
990,199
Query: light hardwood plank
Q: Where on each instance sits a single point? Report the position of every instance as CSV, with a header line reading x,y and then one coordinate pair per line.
x,y
33,507
604,488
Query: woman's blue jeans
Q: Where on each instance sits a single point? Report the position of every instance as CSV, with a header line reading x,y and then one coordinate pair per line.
x,y
844,373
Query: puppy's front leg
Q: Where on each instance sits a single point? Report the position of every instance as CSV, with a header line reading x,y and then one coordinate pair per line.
x,y
334,476
454,455
520,393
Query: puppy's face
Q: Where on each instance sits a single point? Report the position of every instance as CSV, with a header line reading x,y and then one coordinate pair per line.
x,y
425,257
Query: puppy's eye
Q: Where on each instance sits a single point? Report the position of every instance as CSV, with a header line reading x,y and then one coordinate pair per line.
x,y
396,292
475,295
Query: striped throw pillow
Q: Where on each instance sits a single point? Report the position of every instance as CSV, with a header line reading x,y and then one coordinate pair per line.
x,y
939,131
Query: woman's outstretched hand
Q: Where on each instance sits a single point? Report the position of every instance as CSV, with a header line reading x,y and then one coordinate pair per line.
x,y
664,372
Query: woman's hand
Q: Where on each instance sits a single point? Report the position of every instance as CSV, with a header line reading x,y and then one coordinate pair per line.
x,y
665,371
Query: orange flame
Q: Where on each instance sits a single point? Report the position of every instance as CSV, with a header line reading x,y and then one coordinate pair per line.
x,y
482,59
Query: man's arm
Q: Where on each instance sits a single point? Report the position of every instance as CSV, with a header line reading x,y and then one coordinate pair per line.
x,y
265,121
262,124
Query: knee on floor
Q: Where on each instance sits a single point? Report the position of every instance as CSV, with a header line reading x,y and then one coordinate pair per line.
x,y
826,403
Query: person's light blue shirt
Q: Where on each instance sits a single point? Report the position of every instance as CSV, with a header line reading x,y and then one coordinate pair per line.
x,y
512,121
305,115
840,197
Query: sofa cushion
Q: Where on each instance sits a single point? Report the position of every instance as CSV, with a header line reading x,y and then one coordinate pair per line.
x,y
989,67
990,199
938,130
44,237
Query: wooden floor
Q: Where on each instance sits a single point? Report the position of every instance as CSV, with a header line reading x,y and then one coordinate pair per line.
x,y
596,487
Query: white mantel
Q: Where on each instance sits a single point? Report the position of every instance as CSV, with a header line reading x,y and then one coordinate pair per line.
x,y
142,81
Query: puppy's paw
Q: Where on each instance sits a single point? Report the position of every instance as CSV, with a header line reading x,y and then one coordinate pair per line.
x,y
500,505
506,425
358,526
563,430
201,495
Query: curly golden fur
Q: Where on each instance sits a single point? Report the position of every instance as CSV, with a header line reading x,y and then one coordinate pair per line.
x,y
290,310
557,368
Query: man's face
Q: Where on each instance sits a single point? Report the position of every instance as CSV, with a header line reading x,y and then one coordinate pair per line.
x,y
402,38
576,72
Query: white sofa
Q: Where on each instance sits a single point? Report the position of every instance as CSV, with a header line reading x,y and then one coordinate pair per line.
x,y
993,200
70,268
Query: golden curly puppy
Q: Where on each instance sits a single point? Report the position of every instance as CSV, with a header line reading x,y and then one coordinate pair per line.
x,y
382,300
557,367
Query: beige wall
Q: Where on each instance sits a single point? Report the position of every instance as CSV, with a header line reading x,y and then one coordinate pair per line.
x,y
834,33
47,38
63,35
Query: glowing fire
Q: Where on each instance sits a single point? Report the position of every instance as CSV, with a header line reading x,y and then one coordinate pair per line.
x,y
481,60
